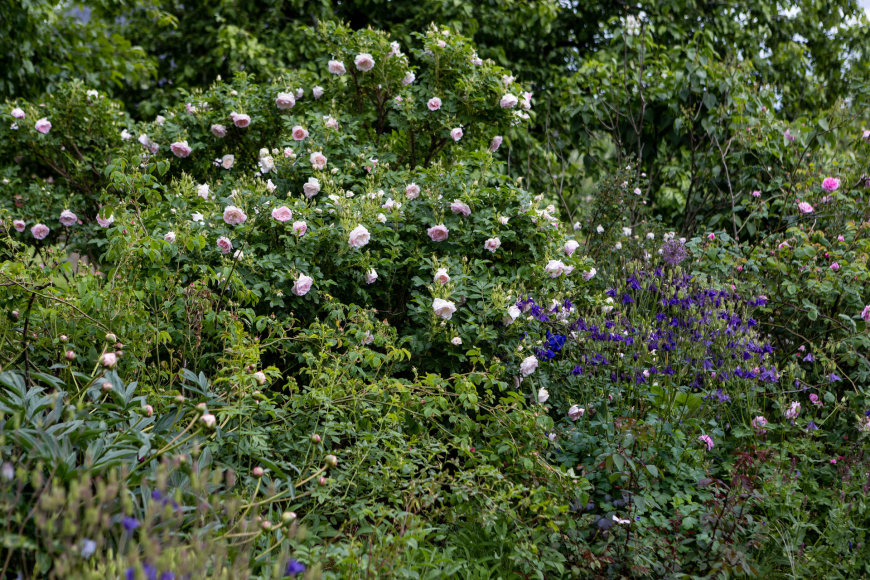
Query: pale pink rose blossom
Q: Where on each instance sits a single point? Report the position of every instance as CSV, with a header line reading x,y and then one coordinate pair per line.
x,y
285,101
219,131
299,133
203,190
19,225
443,308
299,228
556,268
18,113
495,143
438,233
371,276
508,101
459,207
331,122
318,160
571,247
317,92
227,161
180,149
492,244
234,216
804,207
434,104
43,125
240,120
39,231
105,222
409,78
169,237
302,285
576,412
311,187
364,62
528,366
442,277
282,214
336,67
68,218
359,237
299,93
590,274
831,184
224,245
412,191
456,133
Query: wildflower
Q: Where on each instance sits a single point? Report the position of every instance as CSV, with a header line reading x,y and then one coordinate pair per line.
x,y
129,523
8,471
756,193
443,308
438,233
620,521
576,412
68,218
759,423
831,184
814,399
364,62
302,285
88,548
834,378
528,366
707,440
285,101
674,252
492,244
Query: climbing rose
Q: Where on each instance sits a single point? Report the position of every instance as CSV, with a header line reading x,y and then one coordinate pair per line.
x,y
68,218
224,244
804,207
169,237
556,268
442,277
371,276
318,160
434,104
317,92
495,143
412,191
240,120
508,101
359,237
285,101
18,113
43,125
831,184
227,161
180,149
234,216
39,231
336,67
528,365
299,133
543,394
576,412
302,285
19,225
364,62
571,246
219,131
299,228
443,308
459,207
492,244
456,134
282,214
311,187
438,233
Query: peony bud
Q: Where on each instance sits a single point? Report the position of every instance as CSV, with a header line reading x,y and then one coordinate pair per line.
x,y
258,471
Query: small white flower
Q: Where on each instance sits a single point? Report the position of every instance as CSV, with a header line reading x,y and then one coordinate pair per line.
x,y
543,394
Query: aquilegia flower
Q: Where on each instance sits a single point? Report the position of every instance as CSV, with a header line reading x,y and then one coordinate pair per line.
x,y
706,440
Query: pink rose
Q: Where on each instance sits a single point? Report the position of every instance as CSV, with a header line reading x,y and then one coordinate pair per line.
x,y
412,191
302,285
364,62
68,218
18,113
409,78
43,125
330,122
495,143
105,222
804,207
282,214
169,237
443,308
299,133
508,101
835,266
317,91
556,268
359,237
227,161
180,149
39,231
224,245
219,131
576,412
434,104
19,225
299,228
459,207
311,187
285,101
240,120
571,247
371,276
831,184
234,216
336,67
318,160
438,233
492,244
442,277
456,134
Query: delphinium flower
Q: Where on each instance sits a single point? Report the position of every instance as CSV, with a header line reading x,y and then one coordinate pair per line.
x,y
293,568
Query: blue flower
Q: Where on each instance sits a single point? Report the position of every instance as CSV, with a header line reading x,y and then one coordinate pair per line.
x,y
88,548
809,358
293,568
834,378
129,523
